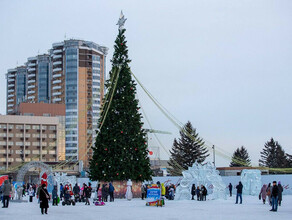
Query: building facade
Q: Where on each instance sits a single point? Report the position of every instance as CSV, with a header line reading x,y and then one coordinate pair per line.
x,y
29,138
71,74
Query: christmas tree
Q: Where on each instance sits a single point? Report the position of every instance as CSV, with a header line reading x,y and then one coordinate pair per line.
x,y
273,155
120,151
188,149
240,158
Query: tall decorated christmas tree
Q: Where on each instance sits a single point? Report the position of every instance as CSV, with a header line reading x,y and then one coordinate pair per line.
x,y
120,151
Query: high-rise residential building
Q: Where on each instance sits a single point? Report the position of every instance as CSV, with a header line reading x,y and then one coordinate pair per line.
x,y
71,74
16,87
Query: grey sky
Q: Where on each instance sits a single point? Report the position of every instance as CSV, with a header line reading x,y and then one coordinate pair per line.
x,y
225,65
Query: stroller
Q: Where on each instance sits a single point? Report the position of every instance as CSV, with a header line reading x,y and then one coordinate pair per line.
x,y
67,199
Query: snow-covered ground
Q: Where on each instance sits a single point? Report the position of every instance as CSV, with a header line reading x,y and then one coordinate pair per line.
x,y
251,209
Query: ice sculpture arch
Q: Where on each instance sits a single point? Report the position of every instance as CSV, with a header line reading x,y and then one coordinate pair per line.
x,y
34,164
198,174
251,181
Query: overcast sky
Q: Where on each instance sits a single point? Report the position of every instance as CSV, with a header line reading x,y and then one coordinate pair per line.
x,y
225,65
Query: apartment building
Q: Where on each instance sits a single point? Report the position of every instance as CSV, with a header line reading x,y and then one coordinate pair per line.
x,y
72,73
29,138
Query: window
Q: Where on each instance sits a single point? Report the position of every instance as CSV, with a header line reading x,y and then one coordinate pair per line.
x,y
2,134
19,143
35,143
47,114
35,152
2,142
10,143
52,144
11,135
52,127
36,127
3,126
36,135
44,127
27,127
27,143
44,144
19,135
52,152
27,135
52,136
44,151
44,135
11,126
19,126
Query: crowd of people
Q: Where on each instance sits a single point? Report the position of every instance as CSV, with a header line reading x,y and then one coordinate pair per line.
x,y
269,193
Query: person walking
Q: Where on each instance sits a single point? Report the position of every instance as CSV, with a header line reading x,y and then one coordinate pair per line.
x,y
230,189
275,194
280,187
239,192
193,191
111,190
44,199
104,192
61,191
30,193
6,190
55,196
263,193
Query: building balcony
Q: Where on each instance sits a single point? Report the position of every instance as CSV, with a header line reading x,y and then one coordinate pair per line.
x,y
31,81
56,87
56,100
57,51
10,100
57,81
59,44
10,75
31,75
31,97
31,92
10,90
57,69
57,56
10,105
11,80
31,69
57,63
57,75
31,64
31,58
11,95
31,87
10,85
56,93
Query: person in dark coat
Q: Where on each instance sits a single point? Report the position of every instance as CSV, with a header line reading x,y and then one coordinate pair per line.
x,y
230,189
204,193
239,192
111,190
193,191
55,196
275,194
6,190
44,199
280,187
104,191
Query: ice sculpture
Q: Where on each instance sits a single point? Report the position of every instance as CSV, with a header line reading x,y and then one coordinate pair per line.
x,y
198,174
65,180
251,181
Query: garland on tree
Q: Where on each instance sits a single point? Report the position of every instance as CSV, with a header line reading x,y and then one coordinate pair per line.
x,y
120,150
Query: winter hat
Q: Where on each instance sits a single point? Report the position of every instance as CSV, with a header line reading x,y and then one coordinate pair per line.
x,y
279,182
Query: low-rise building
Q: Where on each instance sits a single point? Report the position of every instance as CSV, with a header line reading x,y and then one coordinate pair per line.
x,y
30,138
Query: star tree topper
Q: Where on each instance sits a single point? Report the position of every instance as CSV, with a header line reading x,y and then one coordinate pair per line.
x,y
121,21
